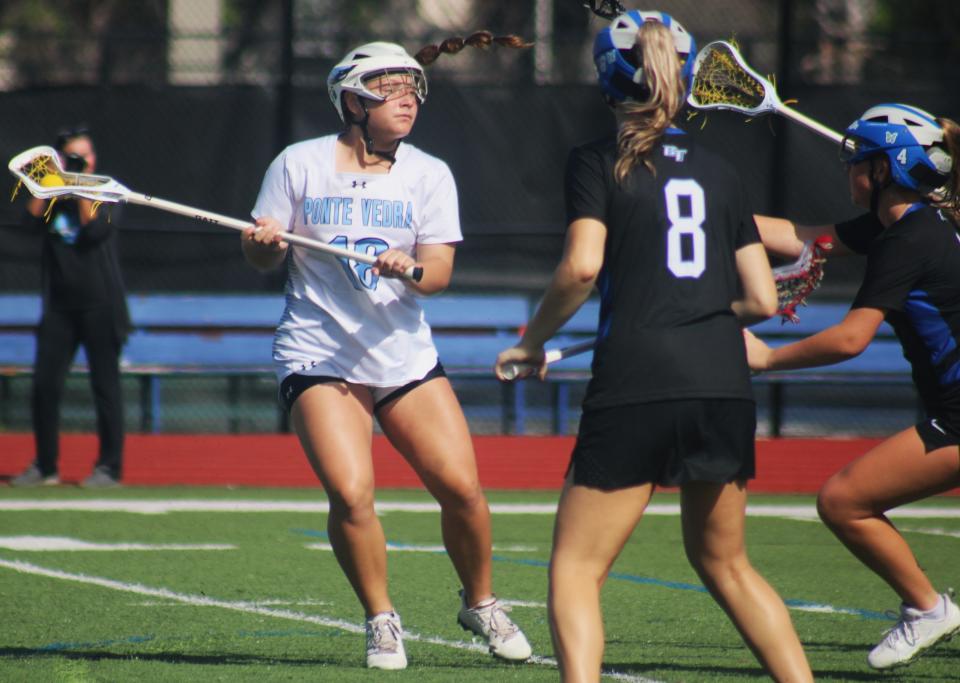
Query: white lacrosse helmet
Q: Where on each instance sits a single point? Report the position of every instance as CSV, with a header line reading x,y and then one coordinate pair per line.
x,y
368,61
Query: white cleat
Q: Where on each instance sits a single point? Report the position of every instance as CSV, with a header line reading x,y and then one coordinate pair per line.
x,y
490,621
914,633
385,642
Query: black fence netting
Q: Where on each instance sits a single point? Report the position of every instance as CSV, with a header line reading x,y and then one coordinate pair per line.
x,y
189,100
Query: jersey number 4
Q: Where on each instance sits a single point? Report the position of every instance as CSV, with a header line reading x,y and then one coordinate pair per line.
x,y
686,209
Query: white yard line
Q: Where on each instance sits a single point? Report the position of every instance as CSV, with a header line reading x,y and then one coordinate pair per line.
x,y
159,507
255,608
63,543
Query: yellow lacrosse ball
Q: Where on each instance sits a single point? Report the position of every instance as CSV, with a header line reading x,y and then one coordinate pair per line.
x,y
51,180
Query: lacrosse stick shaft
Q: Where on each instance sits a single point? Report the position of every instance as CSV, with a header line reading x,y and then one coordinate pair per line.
x,y
513,370
414,273
805,120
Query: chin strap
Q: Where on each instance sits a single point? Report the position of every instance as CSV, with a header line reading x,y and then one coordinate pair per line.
x,y
390,156
875,187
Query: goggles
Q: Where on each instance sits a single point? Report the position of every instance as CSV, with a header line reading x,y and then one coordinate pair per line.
x,y
392,84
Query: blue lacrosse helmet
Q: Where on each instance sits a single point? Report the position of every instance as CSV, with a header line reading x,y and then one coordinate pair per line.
x,y
909,137
620,77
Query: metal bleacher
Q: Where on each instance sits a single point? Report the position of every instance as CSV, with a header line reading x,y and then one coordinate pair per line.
x,y
230,336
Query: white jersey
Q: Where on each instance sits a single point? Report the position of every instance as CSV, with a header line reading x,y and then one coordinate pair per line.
x,y
341,320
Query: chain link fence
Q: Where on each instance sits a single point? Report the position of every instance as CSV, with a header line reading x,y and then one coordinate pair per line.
x,y
190,100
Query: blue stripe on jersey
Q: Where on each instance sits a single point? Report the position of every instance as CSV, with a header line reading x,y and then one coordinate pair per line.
x,y
934,332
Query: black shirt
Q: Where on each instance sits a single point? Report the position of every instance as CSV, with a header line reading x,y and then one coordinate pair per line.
x,y
669,274
913,275
80,268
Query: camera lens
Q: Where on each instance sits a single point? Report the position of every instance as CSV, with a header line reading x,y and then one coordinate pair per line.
x,y
75,163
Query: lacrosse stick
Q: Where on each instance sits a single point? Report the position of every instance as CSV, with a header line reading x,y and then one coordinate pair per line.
x,y
39,170
513,371
608,9
797,280
723,80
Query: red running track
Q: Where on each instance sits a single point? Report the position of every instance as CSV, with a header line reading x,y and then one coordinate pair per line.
x,y
505,462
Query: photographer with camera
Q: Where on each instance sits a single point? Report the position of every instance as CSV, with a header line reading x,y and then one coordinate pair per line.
x,y
83,303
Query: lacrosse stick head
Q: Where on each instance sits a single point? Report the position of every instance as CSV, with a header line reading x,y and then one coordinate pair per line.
x,y
608,9
912,141
40,170
796,281
618,73
722,79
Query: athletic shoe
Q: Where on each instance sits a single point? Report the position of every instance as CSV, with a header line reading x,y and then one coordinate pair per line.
x,y
489,620
100,479
914,633
385,642
32,476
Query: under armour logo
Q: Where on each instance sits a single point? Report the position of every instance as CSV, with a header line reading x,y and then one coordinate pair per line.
x,y
361,183
889,137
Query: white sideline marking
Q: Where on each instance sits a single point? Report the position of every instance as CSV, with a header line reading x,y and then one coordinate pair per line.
x,y
932,531
409,548
159,507
252,603
253,608
62,543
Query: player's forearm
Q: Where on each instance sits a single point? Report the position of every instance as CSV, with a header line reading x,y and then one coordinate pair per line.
x,y
565,295
779,236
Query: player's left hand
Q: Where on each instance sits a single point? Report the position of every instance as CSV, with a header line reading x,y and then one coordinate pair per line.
x,y
393,263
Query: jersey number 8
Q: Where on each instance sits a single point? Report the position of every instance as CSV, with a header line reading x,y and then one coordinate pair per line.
x,y
686,224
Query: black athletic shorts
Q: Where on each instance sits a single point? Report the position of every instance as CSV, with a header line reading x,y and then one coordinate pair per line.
x,y
293,385
666,442
938,432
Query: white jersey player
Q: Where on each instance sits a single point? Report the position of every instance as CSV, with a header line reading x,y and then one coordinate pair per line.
x,y
353,343
343,319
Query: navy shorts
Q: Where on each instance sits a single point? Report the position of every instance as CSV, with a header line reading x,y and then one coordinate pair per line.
x,y
293,385
667,443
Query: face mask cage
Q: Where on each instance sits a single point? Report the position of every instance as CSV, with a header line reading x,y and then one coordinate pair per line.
x,y
392,84
852,150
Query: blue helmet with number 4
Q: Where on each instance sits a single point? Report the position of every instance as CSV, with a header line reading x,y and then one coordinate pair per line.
x,y
619,74
910,138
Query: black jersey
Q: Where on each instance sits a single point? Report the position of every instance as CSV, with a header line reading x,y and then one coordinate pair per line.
x,y
669,273
913,274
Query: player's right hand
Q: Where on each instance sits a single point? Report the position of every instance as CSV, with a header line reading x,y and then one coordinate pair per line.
x,y
266,232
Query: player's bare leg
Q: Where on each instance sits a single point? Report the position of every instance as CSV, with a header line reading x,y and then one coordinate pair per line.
x,y
591,528
335,426
853,501
427,426
713,533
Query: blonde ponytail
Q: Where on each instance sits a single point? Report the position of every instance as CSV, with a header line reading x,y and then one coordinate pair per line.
x,y
642,124
950,204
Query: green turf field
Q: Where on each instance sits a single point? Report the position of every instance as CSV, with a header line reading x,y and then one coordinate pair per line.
x,y
190,584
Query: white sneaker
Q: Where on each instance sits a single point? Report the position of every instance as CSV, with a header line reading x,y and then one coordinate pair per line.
x,y
914,633
385,642
490,622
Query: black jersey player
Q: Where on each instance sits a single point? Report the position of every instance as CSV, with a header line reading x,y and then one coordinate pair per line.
x,y
664,230
901,168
